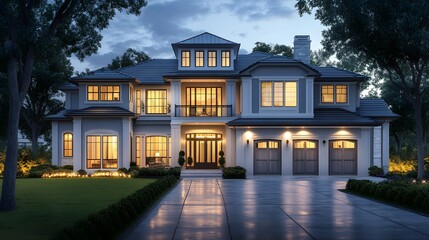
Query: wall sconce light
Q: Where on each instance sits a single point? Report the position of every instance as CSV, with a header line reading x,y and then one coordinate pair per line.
x,y
288,137
247,141
287,142
324,142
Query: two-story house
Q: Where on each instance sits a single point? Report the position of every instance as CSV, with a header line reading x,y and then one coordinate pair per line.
x,y
270,114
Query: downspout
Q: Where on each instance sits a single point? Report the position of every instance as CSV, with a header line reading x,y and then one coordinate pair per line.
x,y
371,163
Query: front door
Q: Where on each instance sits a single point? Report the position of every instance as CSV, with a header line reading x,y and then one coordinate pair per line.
x,y
204,149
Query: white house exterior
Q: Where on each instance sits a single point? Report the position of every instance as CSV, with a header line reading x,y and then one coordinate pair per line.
x,y
272,115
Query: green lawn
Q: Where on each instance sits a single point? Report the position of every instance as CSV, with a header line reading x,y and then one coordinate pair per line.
x,y
45,206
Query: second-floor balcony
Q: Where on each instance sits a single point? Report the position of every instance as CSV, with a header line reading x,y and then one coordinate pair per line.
x,y
203,111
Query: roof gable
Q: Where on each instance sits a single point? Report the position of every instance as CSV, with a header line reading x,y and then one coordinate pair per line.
x,y
206,38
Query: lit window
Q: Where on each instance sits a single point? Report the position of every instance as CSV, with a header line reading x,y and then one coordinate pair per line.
x,y
327,93
278,94
156,150
186,59
266,94
68,145
138,102
109,93
138,151
101,152
199,58
341,93
212,59
92,93
226,58
156,101
290,92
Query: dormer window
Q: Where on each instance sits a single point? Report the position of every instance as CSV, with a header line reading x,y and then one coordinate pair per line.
x,y
199,58
226,58
103,93
340,95
186,58
212,59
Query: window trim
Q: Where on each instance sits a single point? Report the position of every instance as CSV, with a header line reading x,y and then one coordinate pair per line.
x,y
138,102
284,95
146,149
147,102
199,58
222,58
99,93
334,94
210,58
182,57
64,149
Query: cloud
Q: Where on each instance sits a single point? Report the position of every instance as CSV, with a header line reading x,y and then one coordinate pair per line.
x,y
260,10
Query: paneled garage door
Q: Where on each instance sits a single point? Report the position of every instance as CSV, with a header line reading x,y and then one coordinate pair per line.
x,y
342,157
305,157
267,158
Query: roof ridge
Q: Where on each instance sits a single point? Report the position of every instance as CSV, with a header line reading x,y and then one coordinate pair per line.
x,y
203,34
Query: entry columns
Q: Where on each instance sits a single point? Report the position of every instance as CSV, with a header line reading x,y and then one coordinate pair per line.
x,y
175,143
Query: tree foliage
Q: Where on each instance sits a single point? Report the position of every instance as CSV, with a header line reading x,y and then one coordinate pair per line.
x,y
30,28
393,34
277,49
129,58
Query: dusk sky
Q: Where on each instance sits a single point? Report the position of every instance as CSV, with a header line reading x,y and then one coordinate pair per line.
x,y
163,22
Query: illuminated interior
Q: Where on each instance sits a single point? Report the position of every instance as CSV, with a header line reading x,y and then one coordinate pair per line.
x,y
267,144
278,94
109,93
327,93
101,152
186,58
92,93
304,144
204,101
156,150
341,93
226,58
138,151
68,145
138,102
199,58
156,101
343,144
212,59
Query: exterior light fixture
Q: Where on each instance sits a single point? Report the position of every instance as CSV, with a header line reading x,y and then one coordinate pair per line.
x,y
324,142
287,142
288,137
247,141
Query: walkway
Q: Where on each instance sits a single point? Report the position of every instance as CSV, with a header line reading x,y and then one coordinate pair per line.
x,y
274,208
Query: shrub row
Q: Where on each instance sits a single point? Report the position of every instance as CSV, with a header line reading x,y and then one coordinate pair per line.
x,y
234,173
405,193
39,170
112,220
159,172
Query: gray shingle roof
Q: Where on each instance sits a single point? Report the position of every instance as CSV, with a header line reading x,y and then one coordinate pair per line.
x,y
336,73
68,86
151,71
59,116
322,117
105,74
100,111
375,108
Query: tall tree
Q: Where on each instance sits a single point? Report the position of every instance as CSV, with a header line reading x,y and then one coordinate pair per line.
x,y
28,28
394,34
129,58
40,101
277,49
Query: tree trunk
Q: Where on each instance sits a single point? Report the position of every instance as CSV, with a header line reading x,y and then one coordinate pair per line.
x,y
419,136
7,201
34,143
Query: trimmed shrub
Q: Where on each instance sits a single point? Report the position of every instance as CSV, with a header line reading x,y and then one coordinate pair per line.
x,y
81,172
38,171
159,172
375,171
109,222
234,173
123,170
221,158
407,193
181,159
68,167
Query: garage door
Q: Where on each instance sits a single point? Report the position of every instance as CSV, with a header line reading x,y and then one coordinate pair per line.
x,y
342,157
267,160
305,157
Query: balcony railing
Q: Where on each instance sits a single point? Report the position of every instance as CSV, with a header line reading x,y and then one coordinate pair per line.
x,y
203,111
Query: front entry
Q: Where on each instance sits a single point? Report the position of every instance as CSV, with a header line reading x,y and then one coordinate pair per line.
x,y
204,149
267,157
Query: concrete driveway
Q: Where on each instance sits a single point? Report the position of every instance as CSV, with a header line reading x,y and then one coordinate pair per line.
x,y
274,208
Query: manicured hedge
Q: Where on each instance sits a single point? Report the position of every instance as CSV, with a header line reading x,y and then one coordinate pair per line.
x,y
234,173
159,172
111,221
406,193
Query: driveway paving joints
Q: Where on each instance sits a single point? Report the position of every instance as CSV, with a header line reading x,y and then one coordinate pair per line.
x,y
274,208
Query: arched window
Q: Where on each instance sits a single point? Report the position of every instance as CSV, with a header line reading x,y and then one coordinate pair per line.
x,y
68,145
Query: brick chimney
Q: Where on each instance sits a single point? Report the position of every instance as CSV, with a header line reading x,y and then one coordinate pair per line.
x,y
301,48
